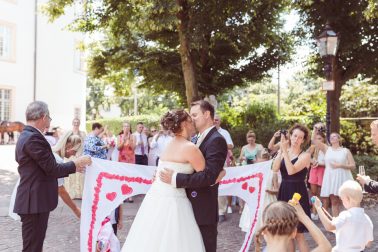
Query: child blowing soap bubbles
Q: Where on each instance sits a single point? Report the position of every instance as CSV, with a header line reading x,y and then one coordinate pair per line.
x,y
280,220
353,228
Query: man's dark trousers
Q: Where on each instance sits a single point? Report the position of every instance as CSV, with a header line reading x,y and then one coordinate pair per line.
x,y
141,159
33,231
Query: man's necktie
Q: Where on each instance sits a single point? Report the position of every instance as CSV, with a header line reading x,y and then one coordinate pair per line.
x,y
194,139
142,146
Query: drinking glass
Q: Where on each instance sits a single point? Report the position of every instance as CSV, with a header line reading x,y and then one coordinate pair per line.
x,y
361,171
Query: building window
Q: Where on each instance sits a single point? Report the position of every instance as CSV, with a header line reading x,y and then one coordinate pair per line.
x,y
11,1
7,42
5,104
79,57
77,112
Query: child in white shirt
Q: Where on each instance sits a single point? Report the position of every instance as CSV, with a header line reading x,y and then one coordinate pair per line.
x,y
353,228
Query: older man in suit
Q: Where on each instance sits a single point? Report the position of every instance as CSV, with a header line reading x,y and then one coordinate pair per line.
x,y
370,185
37,193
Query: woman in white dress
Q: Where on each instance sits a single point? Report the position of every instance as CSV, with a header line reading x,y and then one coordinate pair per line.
x,y
165,221
338,165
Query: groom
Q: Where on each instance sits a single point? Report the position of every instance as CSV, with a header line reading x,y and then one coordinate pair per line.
x,y
200,186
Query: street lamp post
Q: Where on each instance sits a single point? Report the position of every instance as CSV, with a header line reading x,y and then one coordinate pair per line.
x,y
328,42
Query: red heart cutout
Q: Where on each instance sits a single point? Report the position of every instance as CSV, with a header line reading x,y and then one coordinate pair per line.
x,y
126,189
111,196
251,189
245,186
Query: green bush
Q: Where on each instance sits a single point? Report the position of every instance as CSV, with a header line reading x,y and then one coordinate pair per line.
x,y
260,117
356,137
115,124
369,162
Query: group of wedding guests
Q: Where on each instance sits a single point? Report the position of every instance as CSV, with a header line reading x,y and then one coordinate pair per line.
x,y
325,166
284,220
142,147
327,169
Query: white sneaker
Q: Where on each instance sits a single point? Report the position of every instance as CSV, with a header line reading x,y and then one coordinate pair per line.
x,y
229,210
314,217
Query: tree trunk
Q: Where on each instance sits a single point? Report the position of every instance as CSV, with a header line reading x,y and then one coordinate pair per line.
x,y
334,98
191,86
335,108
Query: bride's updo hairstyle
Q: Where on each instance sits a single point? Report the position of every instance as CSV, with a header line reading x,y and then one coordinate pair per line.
x,y
172,120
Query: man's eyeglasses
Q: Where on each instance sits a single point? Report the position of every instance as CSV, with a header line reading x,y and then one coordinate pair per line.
x,y
48,117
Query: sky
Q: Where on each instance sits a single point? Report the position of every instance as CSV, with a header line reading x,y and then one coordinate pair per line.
x,y
288,70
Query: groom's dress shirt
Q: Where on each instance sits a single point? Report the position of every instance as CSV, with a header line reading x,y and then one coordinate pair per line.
x,y
199,141
203,135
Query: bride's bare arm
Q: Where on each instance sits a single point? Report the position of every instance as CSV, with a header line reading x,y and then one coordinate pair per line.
x,y
195,157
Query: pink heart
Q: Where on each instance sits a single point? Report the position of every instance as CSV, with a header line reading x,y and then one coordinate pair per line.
x,y
245,186
126,189
251,189
111,196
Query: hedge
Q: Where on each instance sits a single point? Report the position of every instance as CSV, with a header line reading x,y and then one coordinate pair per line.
x,y
115,124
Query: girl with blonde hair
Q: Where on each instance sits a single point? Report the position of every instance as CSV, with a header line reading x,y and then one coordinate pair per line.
x,y
280,220
68,146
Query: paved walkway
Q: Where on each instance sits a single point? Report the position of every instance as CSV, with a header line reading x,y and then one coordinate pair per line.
x,y
63,229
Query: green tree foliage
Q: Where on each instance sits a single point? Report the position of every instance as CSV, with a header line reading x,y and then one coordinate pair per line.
x,y
149,103
226,42
357,54
359,99
95,98
259,116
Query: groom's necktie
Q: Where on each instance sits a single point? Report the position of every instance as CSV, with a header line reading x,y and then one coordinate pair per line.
x,y
194,139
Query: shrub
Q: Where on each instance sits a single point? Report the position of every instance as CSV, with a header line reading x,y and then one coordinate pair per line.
x,y
115,124
356,137
260,117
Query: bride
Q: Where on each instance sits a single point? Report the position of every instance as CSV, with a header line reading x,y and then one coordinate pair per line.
x,y
165,221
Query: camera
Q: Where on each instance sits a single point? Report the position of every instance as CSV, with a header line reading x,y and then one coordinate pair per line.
x,y
250,161
321,129
283,132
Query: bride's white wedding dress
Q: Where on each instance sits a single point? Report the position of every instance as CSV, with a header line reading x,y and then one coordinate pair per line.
x,y
165,221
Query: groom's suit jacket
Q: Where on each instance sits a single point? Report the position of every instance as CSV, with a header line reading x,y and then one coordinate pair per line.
x,y
200,188
38,169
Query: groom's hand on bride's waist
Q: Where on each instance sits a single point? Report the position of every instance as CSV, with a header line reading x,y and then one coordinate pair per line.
x,y
166,175
220,177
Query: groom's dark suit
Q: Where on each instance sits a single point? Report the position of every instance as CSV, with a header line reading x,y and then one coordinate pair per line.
x,y
200,188
37,193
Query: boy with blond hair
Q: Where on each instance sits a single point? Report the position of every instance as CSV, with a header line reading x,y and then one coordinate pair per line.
x,y
353,228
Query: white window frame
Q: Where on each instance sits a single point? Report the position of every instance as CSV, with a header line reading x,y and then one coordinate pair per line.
x,y
77,112
10,1
11,42
3,102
